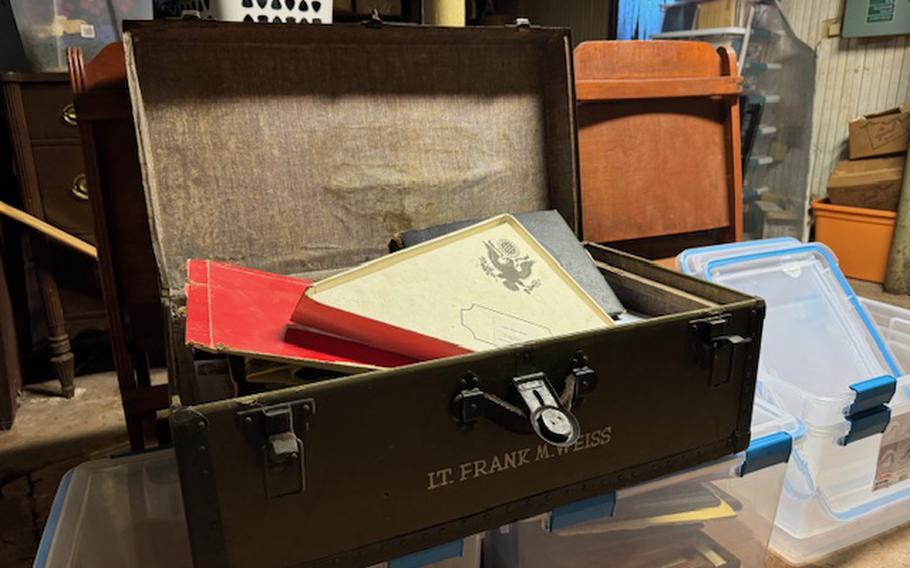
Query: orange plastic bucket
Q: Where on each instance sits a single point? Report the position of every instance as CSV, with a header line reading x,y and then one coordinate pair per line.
x,y
861,238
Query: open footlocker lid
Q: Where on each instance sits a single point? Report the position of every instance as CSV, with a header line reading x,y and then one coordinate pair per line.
x,y
301,150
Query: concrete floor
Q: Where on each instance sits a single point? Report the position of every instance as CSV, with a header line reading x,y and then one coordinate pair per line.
x,y
52,435
890,550
50,429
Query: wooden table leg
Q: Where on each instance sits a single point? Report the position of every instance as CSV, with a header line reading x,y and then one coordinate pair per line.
x,y
61,355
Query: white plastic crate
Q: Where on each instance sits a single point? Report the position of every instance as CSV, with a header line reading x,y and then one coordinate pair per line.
x,y
893,323
263,11
720,514
128,512
49,27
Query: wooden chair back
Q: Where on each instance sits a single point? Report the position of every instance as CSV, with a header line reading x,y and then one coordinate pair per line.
x,y
659,144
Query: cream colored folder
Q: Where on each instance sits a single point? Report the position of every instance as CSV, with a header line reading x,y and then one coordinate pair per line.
x,y
485,286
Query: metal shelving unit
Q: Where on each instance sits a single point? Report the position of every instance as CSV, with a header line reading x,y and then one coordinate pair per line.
x,y
778,72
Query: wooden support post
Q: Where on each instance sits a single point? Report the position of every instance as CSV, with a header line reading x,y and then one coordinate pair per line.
x,y
897,280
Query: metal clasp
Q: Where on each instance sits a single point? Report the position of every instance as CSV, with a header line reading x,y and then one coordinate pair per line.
x,y
718,349
533,405
273,429
549,420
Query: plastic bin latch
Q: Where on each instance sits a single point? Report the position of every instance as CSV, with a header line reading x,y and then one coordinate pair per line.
x,y
584,511
273,429
872,394
767,451
716,348
430,556
867,423
869,414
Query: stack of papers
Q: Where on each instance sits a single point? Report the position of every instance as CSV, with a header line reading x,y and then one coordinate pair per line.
x,y
484,286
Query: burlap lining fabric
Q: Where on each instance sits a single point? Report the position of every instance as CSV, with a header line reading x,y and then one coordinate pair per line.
x,y
303,150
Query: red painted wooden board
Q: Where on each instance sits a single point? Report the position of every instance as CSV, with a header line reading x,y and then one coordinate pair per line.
x,y
232,309
311,313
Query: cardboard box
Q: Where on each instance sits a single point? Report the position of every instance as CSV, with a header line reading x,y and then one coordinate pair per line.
x,y
716,14
871,184
881,133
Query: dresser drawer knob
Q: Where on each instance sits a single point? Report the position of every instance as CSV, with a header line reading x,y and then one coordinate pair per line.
x,y
79,190
69,114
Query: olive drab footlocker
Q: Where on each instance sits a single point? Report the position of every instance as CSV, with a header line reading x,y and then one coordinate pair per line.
x,y
300,150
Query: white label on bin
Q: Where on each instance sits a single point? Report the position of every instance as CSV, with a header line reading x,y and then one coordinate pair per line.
x,y
894,454
87,31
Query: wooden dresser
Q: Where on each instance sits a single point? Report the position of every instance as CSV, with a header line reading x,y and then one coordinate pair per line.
x,y
52,186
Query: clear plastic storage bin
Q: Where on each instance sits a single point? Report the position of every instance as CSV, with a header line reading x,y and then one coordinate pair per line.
x,y
822,359
49,27
124,512
733,37
828,357
694,260
720,514
128,512
836,497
